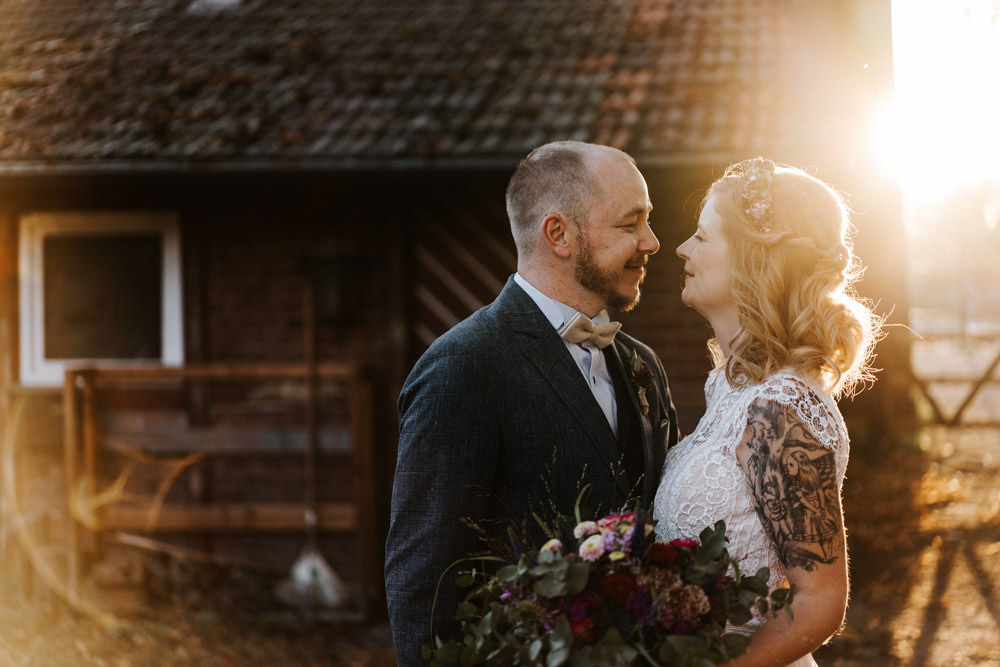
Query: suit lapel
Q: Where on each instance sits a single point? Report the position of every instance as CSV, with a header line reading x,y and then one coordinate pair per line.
x,y
548,354
621,356
540,345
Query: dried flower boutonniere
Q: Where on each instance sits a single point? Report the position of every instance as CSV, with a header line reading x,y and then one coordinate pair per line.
x,y
642,378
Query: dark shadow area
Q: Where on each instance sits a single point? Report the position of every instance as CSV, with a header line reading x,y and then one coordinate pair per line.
x,y
882,511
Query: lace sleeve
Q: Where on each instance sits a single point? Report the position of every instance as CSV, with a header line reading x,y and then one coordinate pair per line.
x,y
814,407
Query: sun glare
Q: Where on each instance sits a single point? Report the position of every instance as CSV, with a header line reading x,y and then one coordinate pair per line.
x,y
943,129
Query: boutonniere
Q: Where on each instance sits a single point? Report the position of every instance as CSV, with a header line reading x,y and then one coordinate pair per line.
x,y
642,378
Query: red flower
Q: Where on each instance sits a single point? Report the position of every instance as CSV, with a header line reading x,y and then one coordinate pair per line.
x,y
611,521
663,554
583,627
644,376
685,543
616,588
643,380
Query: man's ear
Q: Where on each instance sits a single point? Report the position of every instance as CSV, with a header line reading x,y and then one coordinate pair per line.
x,y
559,234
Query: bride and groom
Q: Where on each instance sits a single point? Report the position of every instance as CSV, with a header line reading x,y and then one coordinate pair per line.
x,y
538,395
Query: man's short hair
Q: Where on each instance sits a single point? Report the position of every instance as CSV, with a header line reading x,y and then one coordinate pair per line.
x,y
554,177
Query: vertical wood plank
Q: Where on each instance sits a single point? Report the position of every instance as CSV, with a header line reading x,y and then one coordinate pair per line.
x,y
71,451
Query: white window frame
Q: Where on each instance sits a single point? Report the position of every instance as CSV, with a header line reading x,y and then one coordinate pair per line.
x,y
35,228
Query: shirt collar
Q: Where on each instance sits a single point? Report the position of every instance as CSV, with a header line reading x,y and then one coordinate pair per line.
x,y
556,312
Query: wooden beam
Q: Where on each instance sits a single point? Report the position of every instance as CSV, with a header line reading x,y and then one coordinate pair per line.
x,y
225,371
236,517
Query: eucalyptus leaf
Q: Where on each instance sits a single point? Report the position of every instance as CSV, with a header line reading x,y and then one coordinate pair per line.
x,y
687,643
757,585
447,654
547,557
559,655
583,657
466,610
739,614
550,587
613,650
535,650
576,578
713,543
734,644
486,623
560,642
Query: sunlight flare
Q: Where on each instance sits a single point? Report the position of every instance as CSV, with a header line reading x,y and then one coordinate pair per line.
x,y
941,131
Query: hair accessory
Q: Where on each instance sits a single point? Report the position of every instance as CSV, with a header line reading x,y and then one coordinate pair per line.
x,y
757,177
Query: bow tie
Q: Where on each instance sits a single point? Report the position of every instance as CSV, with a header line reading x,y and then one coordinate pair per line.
x,y
581,329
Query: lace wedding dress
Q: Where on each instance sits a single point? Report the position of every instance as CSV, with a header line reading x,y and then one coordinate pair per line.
x,y
703,482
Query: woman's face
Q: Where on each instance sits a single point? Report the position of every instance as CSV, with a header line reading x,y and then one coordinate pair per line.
x,y
706,268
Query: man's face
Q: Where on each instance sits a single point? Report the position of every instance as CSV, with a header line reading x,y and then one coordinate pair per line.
x,y
616,241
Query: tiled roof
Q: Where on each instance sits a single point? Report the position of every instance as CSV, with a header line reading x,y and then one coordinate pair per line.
x,y
377,81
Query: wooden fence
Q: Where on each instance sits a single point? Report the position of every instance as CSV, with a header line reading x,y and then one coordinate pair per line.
x,y
86,445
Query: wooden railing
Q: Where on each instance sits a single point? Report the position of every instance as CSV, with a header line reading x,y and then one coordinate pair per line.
x,y
975,382
82,444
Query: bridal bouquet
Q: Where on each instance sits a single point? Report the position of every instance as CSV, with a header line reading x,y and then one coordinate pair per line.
x,y
607,593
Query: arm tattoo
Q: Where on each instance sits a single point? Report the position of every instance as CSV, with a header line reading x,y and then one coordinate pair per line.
x,y
794,485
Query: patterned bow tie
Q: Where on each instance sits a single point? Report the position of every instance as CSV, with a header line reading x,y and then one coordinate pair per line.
x,y
581,329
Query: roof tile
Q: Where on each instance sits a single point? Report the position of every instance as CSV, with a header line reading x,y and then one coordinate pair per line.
x,y
348,80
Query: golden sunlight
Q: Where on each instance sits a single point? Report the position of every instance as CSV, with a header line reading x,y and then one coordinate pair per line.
x,y
942,131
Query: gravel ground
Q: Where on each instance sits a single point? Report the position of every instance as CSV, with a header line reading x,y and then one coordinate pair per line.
x,y
924,523
924,526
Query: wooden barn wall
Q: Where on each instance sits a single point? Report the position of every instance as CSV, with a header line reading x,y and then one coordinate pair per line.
x,y
459,254
247,242
402,257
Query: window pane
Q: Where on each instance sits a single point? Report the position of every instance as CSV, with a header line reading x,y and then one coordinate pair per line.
x,y
102,296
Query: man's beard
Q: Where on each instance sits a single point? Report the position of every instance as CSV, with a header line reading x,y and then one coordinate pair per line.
x,y
600,281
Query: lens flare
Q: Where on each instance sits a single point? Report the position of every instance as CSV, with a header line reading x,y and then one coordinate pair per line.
x,y
941,130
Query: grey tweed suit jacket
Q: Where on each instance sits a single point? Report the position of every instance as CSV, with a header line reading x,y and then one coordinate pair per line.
x,y
497,422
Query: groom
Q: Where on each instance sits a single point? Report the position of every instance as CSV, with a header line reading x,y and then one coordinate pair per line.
x,y
535,396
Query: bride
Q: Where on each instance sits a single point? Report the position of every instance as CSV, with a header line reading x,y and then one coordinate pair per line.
x,y
771,268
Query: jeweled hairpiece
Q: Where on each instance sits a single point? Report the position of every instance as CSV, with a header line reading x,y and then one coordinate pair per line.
x,y
758,174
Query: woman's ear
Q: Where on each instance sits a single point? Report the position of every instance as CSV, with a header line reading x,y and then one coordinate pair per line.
x,y
558,232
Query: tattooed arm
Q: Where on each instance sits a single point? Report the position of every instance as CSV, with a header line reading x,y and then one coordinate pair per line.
x,y
793,481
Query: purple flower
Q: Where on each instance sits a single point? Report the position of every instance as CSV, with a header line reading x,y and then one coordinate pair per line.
x,y
683,627
665,615
640,604
581,605
612,541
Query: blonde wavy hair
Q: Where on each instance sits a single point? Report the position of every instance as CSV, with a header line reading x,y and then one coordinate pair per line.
x,y
793,284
